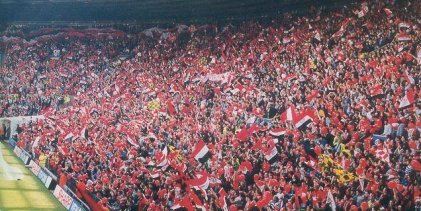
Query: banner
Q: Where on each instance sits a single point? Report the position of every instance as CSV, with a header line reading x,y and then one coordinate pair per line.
x,y
63,197
42,176
24,156
48,182
17,151
75,206
35,168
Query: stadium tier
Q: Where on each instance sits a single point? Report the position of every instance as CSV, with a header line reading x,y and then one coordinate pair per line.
x,y
314,111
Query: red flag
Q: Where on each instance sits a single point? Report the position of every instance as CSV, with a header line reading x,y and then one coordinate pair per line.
x,y
388,12
196,199
258,144
202,181
242,135
288,115
407,100
222,202
376,90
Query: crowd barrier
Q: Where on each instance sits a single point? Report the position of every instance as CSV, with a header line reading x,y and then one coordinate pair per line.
x,y
63,194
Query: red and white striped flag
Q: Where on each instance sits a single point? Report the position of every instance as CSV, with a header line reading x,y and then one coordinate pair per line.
x,y
201,181
132,141
289,77
403,37
278,132
154,174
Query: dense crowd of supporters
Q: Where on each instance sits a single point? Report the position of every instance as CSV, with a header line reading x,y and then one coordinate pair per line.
x,y
312,112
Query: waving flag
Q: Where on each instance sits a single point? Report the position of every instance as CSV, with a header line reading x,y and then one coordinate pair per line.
x,y
376,91
404,25
272,155
243,135
162,161
302,120
222,202
265,200
213,181
196,200
258,144
68,136
153,105
312,163
278,132
154,174
201,181
344,176
383,155
186,203
290,77
388,12
408,77
288,115
377,138
131,140
407,100
201,152
255,128
331,201
403,37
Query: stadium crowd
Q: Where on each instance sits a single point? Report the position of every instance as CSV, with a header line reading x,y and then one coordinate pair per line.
x,y
312,112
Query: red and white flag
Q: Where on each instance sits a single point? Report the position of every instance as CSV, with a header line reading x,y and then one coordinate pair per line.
x,y
303,119
388,12
376,90
403,37
408,77
404,25
213,181
201,181
201,152
271,155
331,201
290,77
186,203
318,36
222,201
407,100
68,136
278,132
161,159
154,174
288,115
132,141
383,155
196,200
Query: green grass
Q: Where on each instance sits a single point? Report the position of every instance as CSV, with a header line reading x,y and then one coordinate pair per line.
x,y
26,195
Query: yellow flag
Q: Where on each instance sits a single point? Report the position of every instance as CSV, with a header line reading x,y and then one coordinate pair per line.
x,y
153,105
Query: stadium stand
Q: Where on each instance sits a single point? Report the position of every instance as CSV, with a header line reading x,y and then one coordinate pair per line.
x,y
315,112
